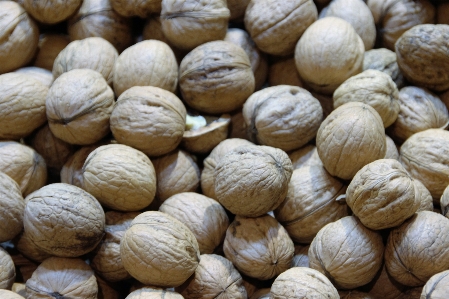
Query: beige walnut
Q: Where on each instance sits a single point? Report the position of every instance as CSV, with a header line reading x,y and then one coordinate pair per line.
x,y
60,277
310,203
301,282
258,247
420,110
418,249
384,60
374,88
71,117
18,288
283,71
22,105
347,252
97,18
140,8
5,294
11,208
7,270
436,287
349,138
188,24
329,52
205,217
149,119
216,77
301,257
215,277
120,177
424,196
49,47
305,156
283,116
392,150
42,75
277,26
252,180
159,250
24,165
383,286
19,36
153,293
52,11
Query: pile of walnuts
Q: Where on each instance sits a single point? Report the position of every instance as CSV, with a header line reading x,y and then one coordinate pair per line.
x,y
244,149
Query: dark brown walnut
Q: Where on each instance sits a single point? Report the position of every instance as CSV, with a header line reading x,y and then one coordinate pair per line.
x,y
147,63
22,105
51,12
258,247
42,75
424,196
26,267
283,71
421,54
18,37
97,18
382,194
159,250
425,155
211,161
216,77
120,177
71,117
237,9
301,282
393,17
276,27
301,257
11,208
310,203
49,47
374,88
24,165
436,287
29,250
215,277
138,8
106,260
355,295
7,270
60,277
153,293
392,150
383,286
418,249
149,119
252,180
188,24
283,116
347,252
349,138
6,294
205,217
93,53
63,220
384,60
261,294
251,285
305,156
420,110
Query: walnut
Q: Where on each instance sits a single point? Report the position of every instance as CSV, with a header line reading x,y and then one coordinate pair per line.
x,y
383,286
5,294
424,196
261,294
11,208
29,250
442,13
392,150
237,9
42,75
384,60
355,295
7,270
153,293
138,8
51,12
49,47
305,156
301,258
436,286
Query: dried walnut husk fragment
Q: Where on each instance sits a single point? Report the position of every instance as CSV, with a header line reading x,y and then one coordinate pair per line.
x,y
11,208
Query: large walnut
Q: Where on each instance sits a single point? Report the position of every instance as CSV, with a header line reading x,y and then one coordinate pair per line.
x,y
384,60
52,11
49,47
7,270
436,287
138,8
11,208
153,293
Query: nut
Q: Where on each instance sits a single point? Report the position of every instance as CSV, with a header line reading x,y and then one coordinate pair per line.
x,y
392,151
301,258
384,60
49,47
283,71
42,75
5,294
424,196
12,206
138,8
7,270
51,12
305,156
436,286
153,293
383,286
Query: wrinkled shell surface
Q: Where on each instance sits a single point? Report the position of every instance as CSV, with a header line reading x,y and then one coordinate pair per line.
x,y
11,208
305,156
49,47
51,12
384,60
42,75
153,293
138,8
7,270
436,287
392,151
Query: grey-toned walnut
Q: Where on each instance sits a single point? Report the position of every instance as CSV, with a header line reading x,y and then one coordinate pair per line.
x,y
305,156
424,196
392,150
153,293
384,60
283,71
418,249
258,247
49,47
7,270
436,287
11,208
51,11
140,8
42,75
347,252
301,258
63,220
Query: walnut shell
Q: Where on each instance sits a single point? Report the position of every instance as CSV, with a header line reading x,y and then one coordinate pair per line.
x,y
258,247
153,293
51,12
7,270
349,138
436,287
251,181
374,88
105,291
276,26
392,151
156,234
310,203
216,77
442,13
424,196
215,277
301,258
383,286
418,249
348,253
29,250
138,8
329,52
42,75
22,105
384,60
301,282
5,294
72,118
19,288
286,117
283,71
305,156
11,208
49,47
63,278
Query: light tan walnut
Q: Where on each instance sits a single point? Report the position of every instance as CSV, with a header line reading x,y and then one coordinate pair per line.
x,y
42,75
424,196
305,156
7,270
384,60
11,208
392,150
5,294
49,47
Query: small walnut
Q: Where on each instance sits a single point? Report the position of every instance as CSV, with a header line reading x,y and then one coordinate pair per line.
x,y
11,208
283,71
7,270
384,60
42,75
305,156
436,287
138,8
49,47
392,150
153,293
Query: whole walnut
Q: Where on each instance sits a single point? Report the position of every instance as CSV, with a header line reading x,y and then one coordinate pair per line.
x,y
329,52
301,282
30,250
436,287
51,12
349,138
188,24
153,293
261,294
442,13
258,247
11,208
71,117
22,102
277,26
141,9
237,9
49,47
7,270
42,75
156,234
120,177
305,156
215,277
355,295
384,60
417,249
19,36
286,117
252,180
216,77
60,277
347,252
283,71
